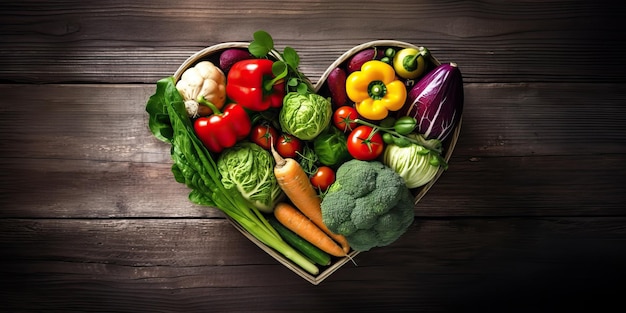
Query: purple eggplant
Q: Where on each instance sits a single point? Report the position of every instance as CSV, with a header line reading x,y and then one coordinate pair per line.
x,y
336,82
231,56
357,60
436,101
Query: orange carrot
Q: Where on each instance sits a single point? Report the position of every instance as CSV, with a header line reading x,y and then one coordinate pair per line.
x,y
293,219
296,184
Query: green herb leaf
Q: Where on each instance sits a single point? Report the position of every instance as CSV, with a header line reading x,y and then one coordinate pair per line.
x,y
258,50
293,82
291,57
302,89
264,38
279,69
261,45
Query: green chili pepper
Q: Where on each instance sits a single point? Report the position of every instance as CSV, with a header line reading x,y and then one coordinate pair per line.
x,y
405,125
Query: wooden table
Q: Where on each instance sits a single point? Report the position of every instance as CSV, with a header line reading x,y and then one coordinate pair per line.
x,y
528,217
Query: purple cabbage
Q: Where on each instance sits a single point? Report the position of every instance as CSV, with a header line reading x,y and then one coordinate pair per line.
x,y
436,101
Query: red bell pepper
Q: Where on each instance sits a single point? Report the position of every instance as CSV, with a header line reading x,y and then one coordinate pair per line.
x,y
250,83
222,129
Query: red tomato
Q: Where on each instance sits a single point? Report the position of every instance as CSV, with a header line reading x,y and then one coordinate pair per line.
x,y
363,145
263,135
323,178
343,116
288,146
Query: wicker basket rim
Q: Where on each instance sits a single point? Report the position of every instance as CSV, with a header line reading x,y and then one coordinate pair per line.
x,y
238,44
192,59
370,44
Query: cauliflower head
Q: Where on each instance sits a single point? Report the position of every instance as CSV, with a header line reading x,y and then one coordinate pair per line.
x,y
369,203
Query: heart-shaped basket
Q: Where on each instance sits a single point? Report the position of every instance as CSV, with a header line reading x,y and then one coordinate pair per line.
x,y
212,54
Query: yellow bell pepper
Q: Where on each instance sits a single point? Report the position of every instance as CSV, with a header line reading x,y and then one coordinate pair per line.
x,y
375,90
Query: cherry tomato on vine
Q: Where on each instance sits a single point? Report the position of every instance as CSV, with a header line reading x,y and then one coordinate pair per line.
x,y
323,178
288,146
343,117
263,135
365,144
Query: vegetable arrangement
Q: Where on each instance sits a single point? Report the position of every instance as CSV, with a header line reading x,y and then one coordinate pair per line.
x,y
314,174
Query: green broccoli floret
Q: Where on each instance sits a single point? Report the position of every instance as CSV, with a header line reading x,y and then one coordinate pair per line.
x,y
369,204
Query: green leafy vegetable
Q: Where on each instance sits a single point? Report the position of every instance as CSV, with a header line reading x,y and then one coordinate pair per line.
x,y
248,169
415,163
331,147
286,64
305,115
261,45
291,57
159,120
194,166
280,70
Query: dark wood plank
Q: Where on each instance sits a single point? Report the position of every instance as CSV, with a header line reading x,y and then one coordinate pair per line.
x,y
529,217
82,189
585,185
543,119
90,122
492,41
88,153
147,265
109,122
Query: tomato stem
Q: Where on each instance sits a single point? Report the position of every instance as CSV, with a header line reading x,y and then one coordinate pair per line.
x,y
433,145
368,141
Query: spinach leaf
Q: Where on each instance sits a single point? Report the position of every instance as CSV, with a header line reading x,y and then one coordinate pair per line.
x,y
191,164
169,122
159,120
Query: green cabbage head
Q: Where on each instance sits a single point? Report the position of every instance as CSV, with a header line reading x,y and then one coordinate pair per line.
x,y
249,169
414,163
304,115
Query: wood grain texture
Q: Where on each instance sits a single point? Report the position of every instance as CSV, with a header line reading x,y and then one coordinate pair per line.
x,y
109,122
94,155
195,265
529,217
513,186
492,41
